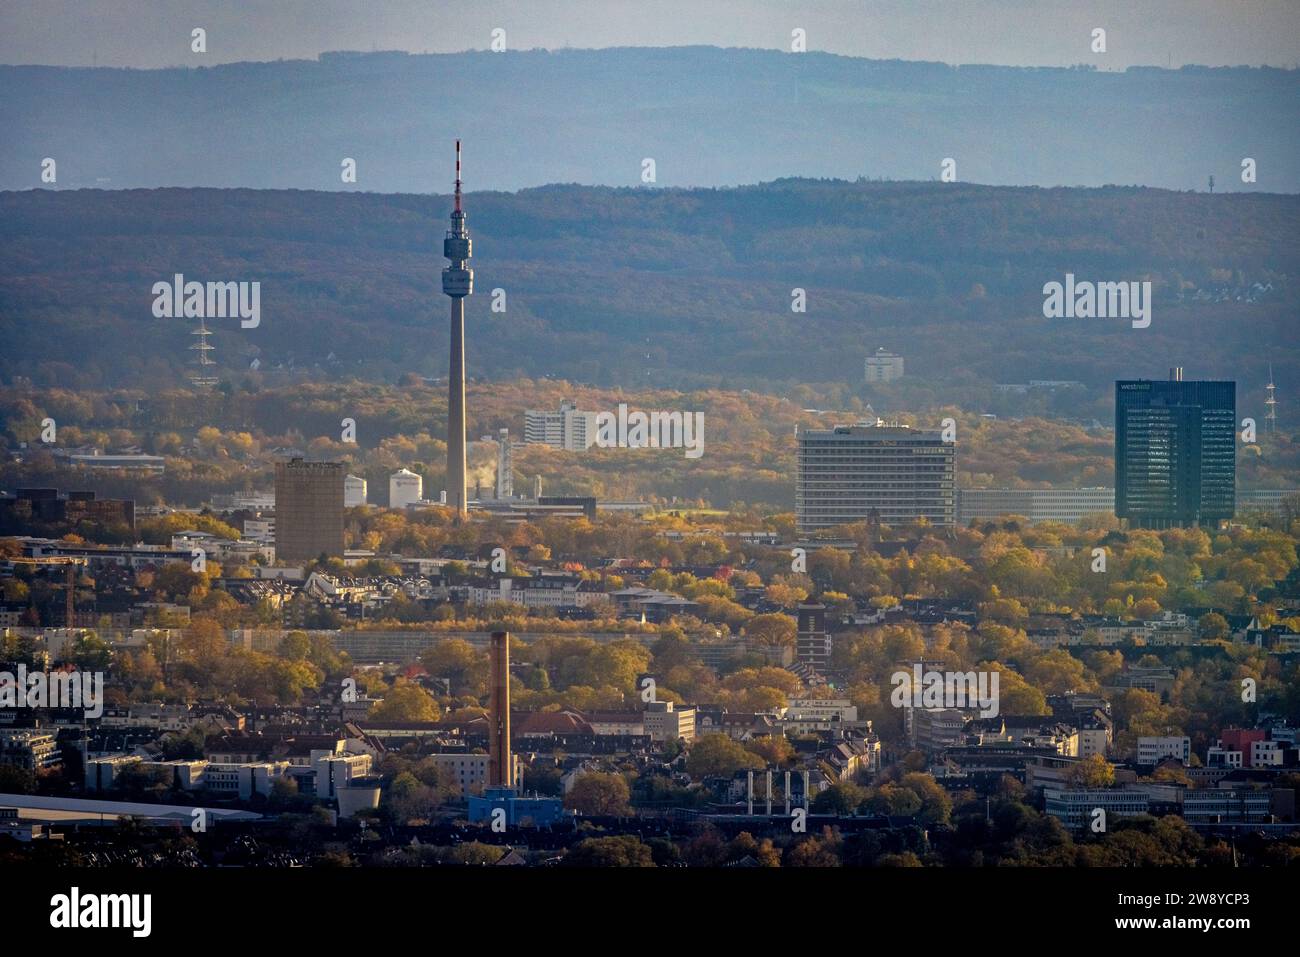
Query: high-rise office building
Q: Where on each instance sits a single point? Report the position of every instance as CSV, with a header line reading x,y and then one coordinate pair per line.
x,y
570,428
1175,452
308,510
889,474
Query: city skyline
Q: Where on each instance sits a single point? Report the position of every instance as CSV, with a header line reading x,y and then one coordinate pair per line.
x,y
827,506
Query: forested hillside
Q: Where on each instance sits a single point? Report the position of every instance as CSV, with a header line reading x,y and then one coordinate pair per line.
x,y
657,287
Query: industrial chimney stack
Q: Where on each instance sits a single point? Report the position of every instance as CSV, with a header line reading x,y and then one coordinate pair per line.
x,y
501,766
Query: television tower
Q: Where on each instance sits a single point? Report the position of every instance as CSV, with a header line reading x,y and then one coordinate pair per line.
x,y
457,282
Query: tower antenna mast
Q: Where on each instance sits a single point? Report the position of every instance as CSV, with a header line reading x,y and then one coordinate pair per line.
x,y
458,176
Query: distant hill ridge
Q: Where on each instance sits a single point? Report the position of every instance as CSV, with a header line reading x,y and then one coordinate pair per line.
x,y
707,116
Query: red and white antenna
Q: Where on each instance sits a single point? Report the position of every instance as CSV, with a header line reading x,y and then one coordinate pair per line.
x,y
458,176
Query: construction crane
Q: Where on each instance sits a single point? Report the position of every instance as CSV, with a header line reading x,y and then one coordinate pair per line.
x,y
70,581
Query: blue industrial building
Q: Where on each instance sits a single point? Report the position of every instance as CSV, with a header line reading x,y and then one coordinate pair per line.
x,y
536,810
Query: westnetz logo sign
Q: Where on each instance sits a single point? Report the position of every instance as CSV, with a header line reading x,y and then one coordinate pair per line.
x,y
75,910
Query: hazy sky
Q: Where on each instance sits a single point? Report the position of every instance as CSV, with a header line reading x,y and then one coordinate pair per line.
x,y
154,33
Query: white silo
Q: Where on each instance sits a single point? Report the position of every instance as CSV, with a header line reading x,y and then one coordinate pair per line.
x,y
354,491
404,488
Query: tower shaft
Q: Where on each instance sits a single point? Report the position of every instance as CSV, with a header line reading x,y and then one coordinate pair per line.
x,y
456,411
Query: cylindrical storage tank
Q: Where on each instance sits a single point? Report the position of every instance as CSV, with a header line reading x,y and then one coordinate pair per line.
x,y
404,488
361,794
354,491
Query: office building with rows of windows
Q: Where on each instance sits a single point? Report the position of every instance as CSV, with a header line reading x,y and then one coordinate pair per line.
x,y
887,474
1175,452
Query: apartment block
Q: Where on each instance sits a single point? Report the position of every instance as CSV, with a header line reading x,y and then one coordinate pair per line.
x,y
1153,750
665,721
570,428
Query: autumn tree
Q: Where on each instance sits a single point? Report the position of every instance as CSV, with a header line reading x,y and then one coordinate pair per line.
x,y
621,851
771,630
1094,771
717,755
600,795
405,701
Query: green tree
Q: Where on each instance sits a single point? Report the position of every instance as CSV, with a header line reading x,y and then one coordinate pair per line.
x,y
1214,627
840,798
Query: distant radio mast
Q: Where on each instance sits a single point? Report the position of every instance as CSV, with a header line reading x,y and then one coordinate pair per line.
x,y
202,376
1271,416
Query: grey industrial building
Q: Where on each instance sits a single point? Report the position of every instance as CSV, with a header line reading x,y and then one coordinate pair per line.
x,y
1067,505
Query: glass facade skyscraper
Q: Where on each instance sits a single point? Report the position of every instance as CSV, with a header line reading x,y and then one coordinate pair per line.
x,y
1175,452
